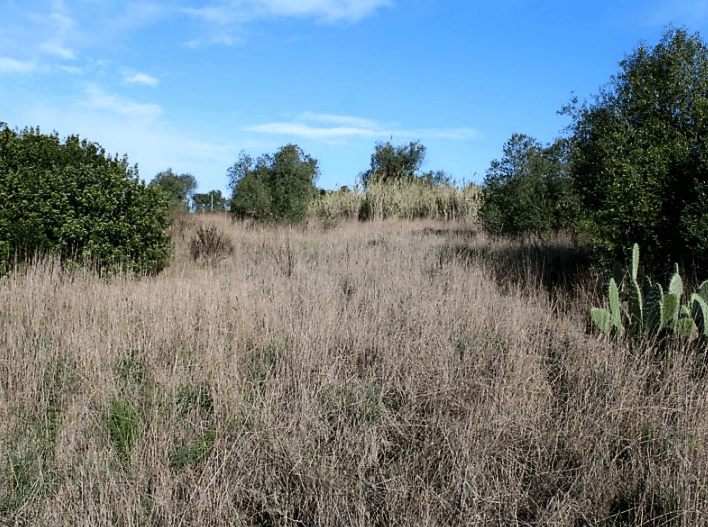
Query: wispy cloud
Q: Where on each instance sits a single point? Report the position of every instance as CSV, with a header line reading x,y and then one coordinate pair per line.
x,y
61,28
8,66
323,10
98,99
224,39
231,15
328,127
304,130
342,120
56,48
75,70
142,78
326,10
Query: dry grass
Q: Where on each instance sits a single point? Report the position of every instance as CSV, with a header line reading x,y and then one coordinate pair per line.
x,y
377,374
409,199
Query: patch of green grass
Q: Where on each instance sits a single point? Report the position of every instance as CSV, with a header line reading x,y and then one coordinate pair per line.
x,y
195,451
123,425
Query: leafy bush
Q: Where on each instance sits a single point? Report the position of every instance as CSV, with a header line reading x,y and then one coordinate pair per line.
x,y
209,202
640,159
179,188
273,188
391,163
530,188
72,199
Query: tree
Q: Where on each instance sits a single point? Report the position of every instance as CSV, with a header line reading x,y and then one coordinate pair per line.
x,y
437,178
212,200
74,200
640,158
274,187
179,188
530,188
390,162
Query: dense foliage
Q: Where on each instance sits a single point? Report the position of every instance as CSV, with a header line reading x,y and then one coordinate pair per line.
x,y
209,201
391,163
640,158
179,188
530,188
275,187
74,200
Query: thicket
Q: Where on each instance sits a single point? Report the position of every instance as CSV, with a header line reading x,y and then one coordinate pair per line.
x,y
178,187
529,188
273,188
72,199
390,163
640,159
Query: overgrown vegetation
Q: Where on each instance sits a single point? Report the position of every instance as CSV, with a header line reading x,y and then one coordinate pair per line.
x,y
72,199
377,373
273,188
530,189
640,159
178,188
352,372
210,244
406,198
393,164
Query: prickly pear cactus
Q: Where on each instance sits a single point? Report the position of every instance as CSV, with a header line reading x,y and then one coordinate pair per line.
x,y
650,311
605,320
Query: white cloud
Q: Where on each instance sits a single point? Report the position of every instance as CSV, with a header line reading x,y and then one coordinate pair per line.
x,y
55,47
304,130
142,78
8,65
329,10
224,39
348,126
232,13
72,69
344,120
99,99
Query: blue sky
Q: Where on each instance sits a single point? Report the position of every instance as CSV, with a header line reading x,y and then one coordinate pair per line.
x,y
188,84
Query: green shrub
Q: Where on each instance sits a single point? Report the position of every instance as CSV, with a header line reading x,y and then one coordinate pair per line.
x,y
529,189
72,199
640,160
275,187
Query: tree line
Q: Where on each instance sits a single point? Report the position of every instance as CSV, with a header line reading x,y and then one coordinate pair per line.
x,y
631,167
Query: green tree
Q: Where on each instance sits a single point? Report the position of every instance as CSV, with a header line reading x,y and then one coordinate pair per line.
x,y
210,201
74,200
389,162
530,188
274,187
640,158
179,188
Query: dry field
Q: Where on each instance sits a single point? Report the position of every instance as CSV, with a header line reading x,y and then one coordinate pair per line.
x,y
410,373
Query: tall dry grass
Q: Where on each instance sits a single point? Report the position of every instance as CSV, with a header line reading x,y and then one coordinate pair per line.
x,y
404,198
382,373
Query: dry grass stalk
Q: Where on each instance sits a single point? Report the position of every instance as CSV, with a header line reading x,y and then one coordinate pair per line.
x,y
381,373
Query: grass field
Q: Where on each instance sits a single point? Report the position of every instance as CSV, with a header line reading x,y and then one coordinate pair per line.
x,y
398,372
